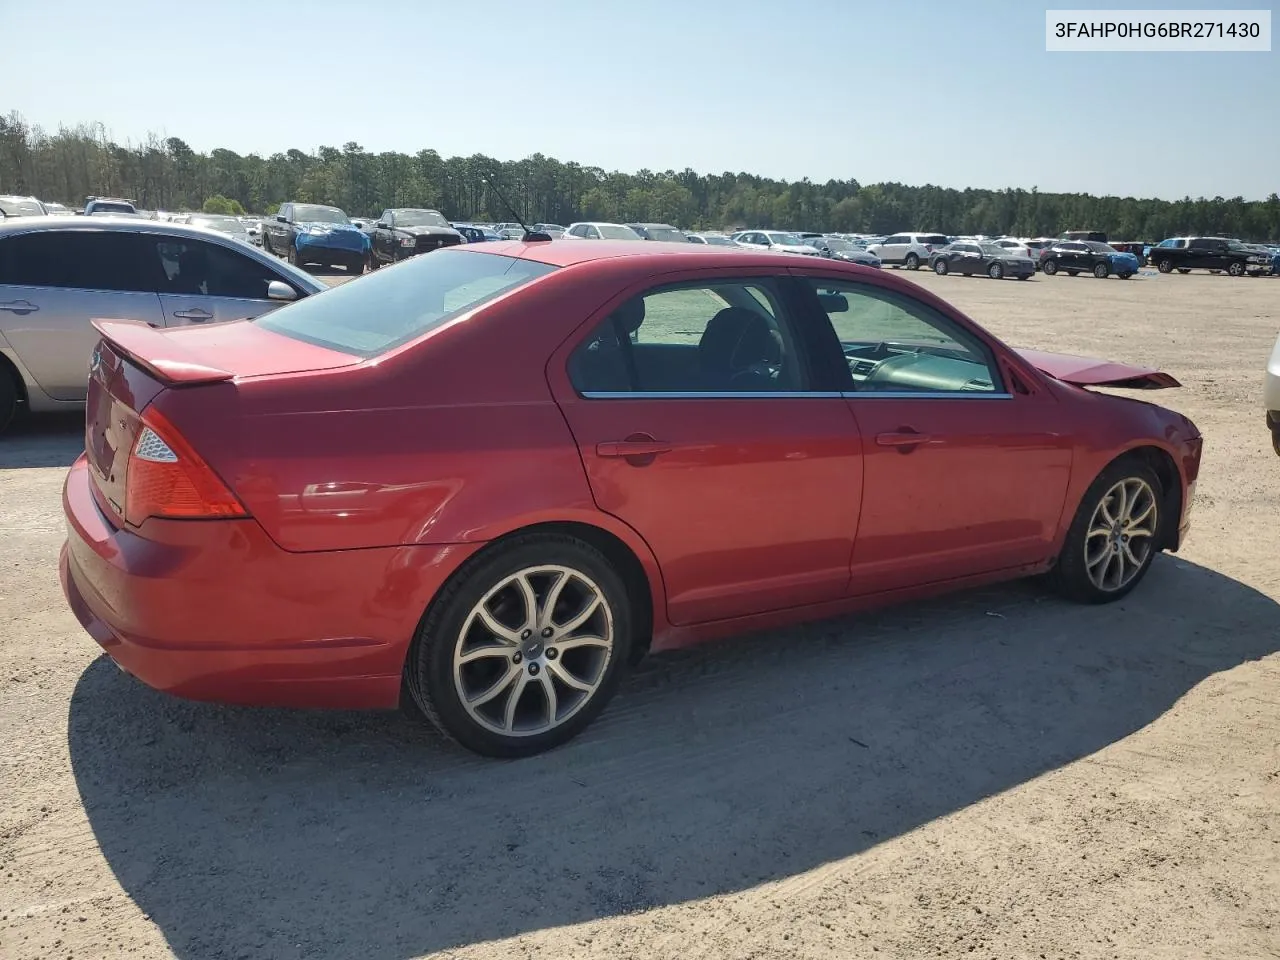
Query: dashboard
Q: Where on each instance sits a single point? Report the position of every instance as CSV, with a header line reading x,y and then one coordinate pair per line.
x,y
911,368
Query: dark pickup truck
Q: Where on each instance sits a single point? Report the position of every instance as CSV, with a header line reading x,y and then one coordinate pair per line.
x,y
1185,254
404,231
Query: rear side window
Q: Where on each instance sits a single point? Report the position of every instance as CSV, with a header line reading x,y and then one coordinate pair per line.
x,y
386,309
75,259
933,239
197,268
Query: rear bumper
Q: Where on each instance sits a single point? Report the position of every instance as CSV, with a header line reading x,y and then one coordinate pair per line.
x,y
216,611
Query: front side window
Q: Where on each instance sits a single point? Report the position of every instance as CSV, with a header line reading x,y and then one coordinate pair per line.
x,y
73,259
392,307
195,268
895,344
712,337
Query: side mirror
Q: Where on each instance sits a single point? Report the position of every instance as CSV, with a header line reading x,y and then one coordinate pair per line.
x,y
279,290
382,225
280,219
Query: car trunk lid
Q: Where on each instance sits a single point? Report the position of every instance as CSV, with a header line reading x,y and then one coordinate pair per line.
x,y
1091,372
134,363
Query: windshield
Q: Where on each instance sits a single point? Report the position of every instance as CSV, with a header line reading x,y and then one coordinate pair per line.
x,y
21,208
1239,247
665,233
839,246
419,218
720,241
392,307
786,239
312,213
614,231
1097,247
100,207
227,225
994,250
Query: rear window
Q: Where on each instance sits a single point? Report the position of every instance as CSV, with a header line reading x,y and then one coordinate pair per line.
x,y
383,310
932,238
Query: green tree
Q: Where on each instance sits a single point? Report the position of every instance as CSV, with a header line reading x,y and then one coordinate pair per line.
x,y
221,204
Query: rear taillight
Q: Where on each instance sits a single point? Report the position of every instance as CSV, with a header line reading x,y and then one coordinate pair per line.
x,y
166,478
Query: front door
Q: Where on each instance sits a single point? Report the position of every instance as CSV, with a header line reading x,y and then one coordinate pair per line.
x,y
694,411
53,283
203,282
964,472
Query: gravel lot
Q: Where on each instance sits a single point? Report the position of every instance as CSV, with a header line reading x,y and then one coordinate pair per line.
x,y
996,774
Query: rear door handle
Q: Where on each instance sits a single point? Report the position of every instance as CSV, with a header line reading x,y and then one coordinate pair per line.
x,y
20,307
632,448
195,315
902,438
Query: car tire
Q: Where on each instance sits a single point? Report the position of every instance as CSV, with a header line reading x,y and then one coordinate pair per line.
x,y
371,262
1164,266
8,397
1236,268
1098,562
1184,269
1050,268
940,267
1073,273
1024,276
355,267
266,243
912,262
995,271
1101,271
495,602
1124,276
295,258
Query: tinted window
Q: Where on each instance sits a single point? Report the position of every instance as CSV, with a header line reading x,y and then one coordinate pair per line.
x,y
896,239
391,307
11,207
80,259
933,239
315,213
196,268
721,337
894,343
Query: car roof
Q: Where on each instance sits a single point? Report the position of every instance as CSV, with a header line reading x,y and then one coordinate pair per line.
x,y
658,253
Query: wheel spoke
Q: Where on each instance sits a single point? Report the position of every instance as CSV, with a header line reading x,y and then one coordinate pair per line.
x,y
1115,560
513,700
574,643
1099,532
547,613
568,679
1122,509
499,630
1103,554
487,652
1139,532
530,621
1105,513
581,617
549,691
499,685
1133,522
1127,550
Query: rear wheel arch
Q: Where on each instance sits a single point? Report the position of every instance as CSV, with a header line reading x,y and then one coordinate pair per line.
x,y
13,392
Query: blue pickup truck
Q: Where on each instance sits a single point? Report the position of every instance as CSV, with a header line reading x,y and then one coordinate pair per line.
x,y
314,233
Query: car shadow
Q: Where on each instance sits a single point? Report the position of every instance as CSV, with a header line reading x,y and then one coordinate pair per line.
x,y
246,833
43,440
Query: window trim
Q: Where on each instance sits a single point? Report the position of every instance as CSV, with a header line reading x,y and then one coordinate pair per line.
x,y
840,367
794,309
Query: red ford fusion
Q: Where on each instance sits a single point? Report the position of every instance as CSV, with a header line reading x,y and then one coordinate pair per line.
x,y
497,475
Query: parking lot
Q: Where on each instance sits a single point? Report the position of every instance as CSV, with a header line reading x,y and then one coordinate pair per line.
x,y
993,774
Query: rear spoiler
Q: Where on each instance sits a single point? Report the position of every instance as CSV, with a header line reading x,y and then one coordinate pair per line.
x,y
160,355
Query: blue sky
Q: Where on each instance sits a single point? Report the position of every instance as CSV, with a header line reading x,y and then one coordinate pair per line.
x,y
957,94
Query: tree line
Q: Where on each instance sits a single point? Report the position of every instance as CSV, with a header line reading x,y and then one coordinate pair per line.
x,y
165,173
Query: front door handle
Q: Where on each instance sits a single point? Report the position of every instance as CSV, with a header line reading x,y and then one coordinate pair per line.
x,y
195,315
905,438
20,307
632,447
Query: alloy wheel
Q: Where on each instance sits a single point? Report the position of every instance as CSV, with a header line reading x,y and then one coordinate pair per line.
x,y
1121,534
533,651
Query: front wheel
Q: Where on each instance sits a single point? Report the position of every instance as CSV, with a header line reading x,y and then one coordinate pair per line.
x,y
1236,269
1073,273
912,262
294,257
1114,536
1124,276
940,268
266,243
1101,270
371,262
8,397
524,646
1184,269
1050,268
355,266
995,271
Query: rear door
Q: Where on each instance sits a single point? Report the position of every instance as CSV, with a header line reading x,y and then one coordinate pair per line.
x,y
966,466
53,283
693,405
199,281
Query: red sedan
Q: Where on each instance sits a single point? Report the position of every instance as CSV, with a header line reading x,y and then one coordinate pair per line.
x,y
503,472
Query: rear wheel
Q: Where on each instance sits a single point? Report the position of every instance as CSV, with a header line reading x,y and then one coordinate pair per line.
x,y
1124,276
912,262
1114,536
1024,276
8,397
940,267
524,647
1184,269
995,271
1101,270
1073,273
1050,267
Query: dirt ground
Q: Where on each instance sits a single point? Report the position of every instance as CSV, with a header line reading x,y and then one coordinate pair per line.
x,y
995,774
